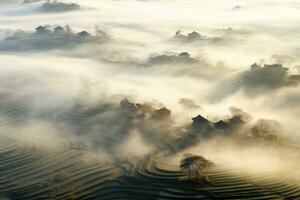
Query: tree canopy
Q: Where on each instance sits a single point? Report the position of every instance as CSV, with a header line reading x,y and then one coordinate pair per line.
x,y
196,166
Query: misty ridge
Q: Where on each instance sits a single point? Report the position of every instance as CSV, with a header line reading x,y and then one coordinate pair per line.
x,y
31,1
258,80
105,125
56,6
269,76
49,6
226,36
184,58
193,36
46,37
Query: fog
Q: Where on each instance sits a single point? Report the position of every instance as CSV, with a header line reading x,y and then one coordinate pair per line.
x,y
172,58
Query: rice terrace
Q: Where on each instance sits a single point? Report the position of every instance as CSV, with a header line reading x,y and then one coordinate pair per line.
x,y
149,99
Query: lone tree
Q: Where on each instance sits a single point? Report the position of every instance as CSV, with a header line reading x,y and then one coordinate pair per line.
x,y
196,166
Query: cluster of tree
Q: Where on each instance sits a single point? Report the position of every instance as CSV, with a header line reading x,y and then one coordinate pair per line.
x,y
266,129
31,1
104,121
56,6
237,125
50,37
197,167
259,79
189,104
269,76
154,123
193,37
145,111
181,58
47,29
207,128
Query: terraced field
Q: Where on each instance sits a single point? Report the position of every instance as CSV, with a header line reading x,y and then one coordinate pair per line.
x,y
27,172
12,111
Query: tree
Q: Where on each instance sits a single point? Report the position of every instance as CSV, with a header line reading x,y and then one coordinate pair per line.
x,y
197,166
